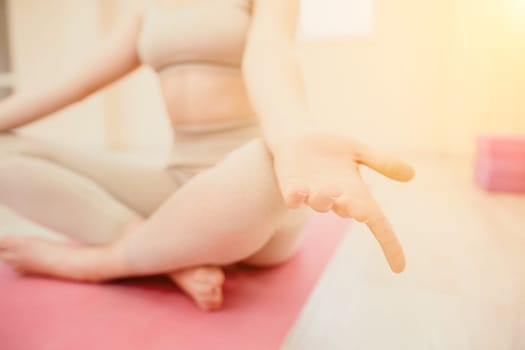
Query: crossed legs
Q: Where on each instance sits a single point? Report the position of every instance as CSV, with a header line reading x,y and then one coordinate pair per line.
x,y
90,197
230,213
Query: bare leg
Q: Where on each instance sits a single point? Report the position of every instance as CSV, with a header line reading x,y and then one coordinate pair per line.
x,y
78,194
221,216
284,243
203,284
89,196
61,200
136,186
34,255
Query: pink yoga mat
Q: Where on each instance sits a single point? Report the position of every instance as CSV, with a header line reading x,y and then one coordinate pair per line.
x,y
260,307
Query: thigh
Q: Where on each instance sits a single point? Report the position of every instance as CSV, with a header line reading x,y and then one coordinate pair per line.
x,y
285,241
220,216
61,200
139,187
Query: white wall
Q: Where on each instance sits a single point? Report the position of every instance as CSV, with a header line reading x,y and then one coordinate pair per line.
x,y
47,38
431,75
135,111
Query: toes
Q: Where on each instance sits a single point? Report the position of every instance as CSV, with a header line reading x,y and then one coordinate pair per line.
x,y
209,275
8,255
209,298
9,242
203,285
12,260
205,289
210,303
217,279
9,252
8,248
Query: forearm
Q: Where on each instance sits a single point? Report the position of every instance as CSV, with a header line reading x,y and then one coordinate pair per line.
x,y
116,57
276,89
23,108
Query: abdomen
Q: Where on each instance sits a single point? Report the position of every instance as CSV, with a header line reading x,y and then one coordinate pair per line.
x,y
197,93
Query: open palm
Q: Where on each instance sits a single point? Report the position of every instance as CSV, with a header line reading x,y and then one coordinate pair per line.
x,y
321,169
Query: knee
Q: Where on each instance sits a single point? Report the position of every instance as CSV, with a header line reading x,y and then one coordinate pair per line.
x,y
282,247
254,159
254,150
258,145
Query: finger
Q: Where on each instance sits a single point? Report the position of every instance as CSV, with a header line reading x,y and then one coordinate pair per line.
x,y
296,196
293,185
294,190
351,208
343,210
388,166
387,239
322,201
352,203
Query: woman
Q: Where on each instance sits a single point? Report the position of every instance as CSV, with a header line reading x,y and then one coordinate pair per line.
x,y
232,192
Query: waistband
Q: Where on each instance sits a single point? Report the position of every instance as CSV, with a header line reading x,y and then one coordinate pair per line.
x,y
181,130
198,146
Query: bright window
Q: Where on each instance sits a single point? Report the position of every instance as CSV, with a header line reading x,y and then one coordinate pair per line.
x,y
336,18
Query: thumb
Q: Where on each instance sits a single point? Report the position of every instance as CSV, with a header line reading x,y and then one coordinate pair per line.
x,y
388,166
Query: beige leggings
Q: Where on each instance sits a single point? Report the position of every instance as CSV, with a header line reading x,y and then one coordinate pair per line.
x,y
92,197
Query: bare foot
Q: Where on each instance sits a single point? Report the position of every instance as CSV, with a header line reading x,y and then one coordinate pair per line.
x,y
33,255
38,256
203,284
28,254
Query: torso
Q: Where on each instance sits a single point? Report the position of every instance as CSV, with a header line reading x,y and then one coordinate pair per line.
x,y
197,56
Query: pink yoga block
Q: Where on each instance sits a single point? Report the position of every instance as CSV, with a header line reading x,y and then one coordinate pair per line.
x,y
500,163
151,314
495,182
509,166
502,146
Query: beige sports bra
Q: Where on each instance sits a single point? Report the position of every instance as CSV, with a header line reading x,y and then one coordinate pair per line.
x,y
211,32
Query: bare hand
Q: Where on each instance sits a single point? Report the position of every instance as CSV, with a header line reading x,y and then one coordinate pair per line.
x,y
320,169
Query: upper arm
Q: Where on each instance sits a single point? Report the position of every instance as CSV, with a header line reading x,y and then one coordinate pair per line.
x,y
114,58
273,25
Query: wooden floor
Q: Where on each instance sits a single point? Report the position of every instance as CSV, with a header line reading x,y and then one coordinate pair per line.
x,y
464,287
